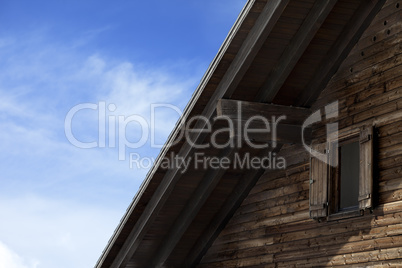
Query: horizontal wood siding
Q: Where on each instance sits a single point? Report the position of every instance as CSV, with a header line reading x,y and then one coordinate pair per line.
x,y
272,227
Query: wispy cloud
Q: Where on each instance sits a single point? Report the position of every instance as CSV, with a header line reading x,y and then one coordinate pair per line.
x,y
10,259
53,232
61,203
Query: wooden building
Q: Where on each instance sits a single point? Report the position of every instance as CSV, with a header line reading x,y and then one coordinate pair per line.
x,y
336,64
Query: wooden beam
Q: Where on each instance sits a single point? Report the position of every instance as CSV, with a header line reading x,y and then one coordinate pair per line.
x,y
243,110
225,213
190,211
340,50
295,50
283,134
257,36
259,33
274,130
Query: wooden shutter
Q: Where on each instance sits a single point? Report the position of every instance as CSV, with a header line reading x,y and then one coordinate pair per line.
x,y
366,168
318,183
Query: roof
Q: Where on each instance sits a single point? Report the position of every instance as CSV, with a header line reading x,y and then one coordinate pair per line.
x,y
280,52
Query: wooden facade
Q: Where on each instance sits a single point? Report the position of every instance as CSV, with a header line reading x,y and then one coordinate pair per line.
x,y
300,54
272,227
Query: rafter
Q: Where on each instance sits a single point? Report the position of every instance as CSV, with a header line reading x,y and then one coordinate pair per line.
x,y
260,31
191,209
340,50
225,213
295,50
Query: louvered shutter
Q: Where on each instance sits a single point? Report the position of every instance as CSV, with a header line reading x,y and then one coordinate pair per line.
x,y
366,168
318,183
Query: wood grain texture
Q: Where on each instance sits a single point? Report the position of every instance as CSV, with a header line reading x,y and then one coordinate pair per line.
x,y
318,183
274,219
366,168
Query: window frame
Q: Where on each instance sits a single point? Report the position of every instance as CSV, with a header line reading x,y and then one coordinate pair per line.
x,y
324,204
334,178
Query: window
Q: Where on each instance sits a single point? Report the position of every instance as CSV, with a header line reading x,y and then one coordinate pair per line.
x,y
344,178
341,183
348,178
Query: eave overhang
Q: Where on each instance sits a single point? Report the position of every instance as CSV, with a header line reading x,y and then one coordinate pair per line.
x,y
280,54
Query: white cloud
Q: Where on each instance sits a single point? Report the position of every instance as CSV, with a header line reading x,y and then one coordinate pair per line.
x,y
53,233
33,110
133,90
62,203
9,259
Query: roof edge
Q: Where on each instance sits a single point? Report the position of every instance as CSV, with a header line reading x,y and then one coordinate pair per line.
x,y
195,96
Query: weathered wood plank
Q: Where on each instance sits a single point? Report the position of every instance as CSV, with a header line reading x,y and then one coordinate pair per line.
x,y
363,233
258,215
276,183
347,259
308,230
277,203
367,47
365,81
376,108
296,247
295,50
368,61
348,38
244,110
278,192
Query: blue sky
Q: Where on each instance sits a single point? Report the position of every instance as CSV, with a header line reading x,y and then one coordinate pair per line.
x,y
60,204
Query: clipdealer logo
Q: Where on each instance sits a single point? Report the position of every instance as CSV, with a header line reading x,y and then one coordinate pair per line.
x,y
113,127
